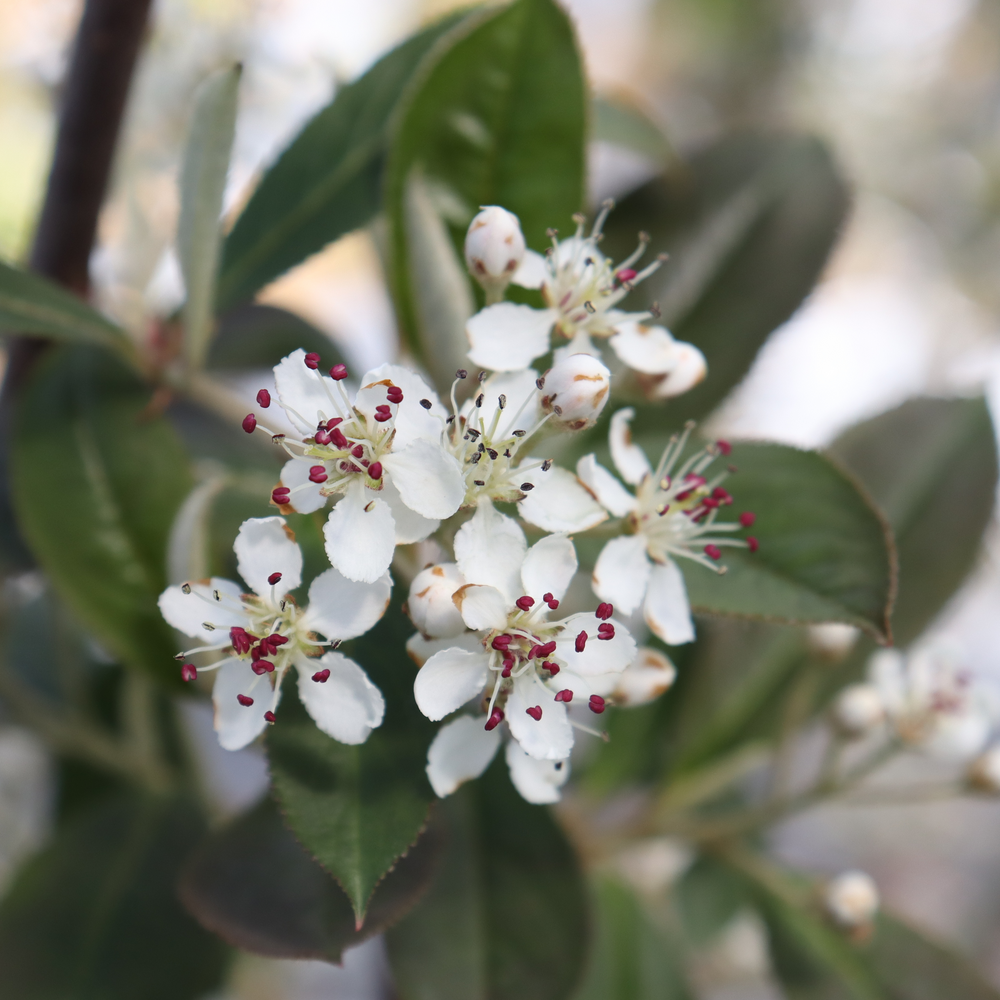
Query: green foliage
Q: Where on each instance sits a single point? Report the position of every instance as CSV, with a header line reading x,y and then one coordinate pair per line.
x,y
97,480
506,918
619,123
95,916
708,896
256,336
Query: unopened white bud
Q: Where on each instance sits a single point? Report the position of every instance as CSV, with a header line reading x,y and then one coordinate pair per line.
x,y
645,679
984,772
832,640
575,390
494,248
852,899
858,710
430,603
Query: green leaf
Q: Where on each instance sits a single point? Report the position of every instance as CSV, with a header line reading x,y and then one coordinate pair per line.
x,y
254,885
506,918
931,466
96,917
708,895
620,123
825,554
357,809
97,481
255,336
328,181
632,957
203,183
498,119
30,304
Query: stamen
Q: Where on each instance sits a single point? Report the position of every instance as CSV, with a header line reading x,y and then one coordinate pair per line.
x,y
263,399
375,471
535,712
280,495
725,447
552,668
322,676
317,474
312,360
605,631
270,717
713,552
274,578
249,423
496,717
596,704
426,404
581,642
262,667
338,372
245,700
565,695
752,544
189,672
525,603
604,611
747,518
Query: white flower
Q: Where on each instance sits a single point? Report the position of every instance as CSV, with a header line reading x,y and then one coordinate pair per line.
x,y
576,391
852,899
644,680
858,710
521,667
266,633
672,513
582,289
494,249
381,453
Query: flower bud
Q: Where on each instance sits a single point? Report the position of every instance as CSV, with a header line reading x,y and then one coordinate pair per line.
x,y
575,390
858,710
984,772
430,603
645,679
494,249
852,899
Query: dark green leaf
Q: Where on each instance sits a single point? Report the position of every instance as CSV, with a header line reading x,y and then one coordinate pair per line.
x,y
253,336
621,123
97,480
498,119
254,885
708,896
95,916
327,182
506,918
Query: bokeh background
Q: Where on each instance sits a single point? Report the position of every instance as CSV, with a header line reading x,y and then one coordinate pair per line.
x,y
907,93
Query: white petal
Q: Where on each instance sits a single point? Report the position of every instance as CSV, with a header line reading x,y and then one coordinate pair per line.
x,y
609,492
532,271
548,738
448,680
887,671
303,393
429,480
482,607
583,687
410,526
507,337
538,781
644,348
360,536
559,503
489,549
461,751
429,602
516,387
188,612
629,459
236,724
346,706
420,650
690,369
599,656
667,611
264,546
413,422
622,572
342,609
307,496
548,567
644,680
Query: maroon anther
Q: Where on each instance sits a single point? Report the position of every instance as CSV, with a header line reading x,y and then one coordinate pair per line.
x,y
241,640
553,604
535,712
383,408
496,717
249,423
322,436
338,373
604,611
263,399
626,274
711,503
358,451
525,603
375,470
281,495
273,578
721,495
547,598
724,446
564,695
596,704
322,676
713,552
189,672
552,668
276,640
501,642
695,480
338,440
262,667
245,700
606,631
581,642
382,416
394,394
752,544
542,650
747,518
270,717
317,474
312,360
508,666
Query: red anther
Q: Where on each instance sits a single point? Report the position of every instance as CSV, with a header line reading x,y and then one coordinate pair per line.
x,y
382,416
552,668
626,274
332,422
535,712
547,598
277,640
547,650
553,604
255,653
245,700
508,666
322,436
496,717
358,451
525,603
375,470
695,479
596,704
338,373
317,474
383,408
322,676
270,717
721,495
338,439
564,695
273,578
711,503
724,446
189,672
581,642
604,611
240,639
249,423
263,399
713,552
501,642
752,544
312,360
365,463
394,394
747,518
262,667
280,495
606,631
